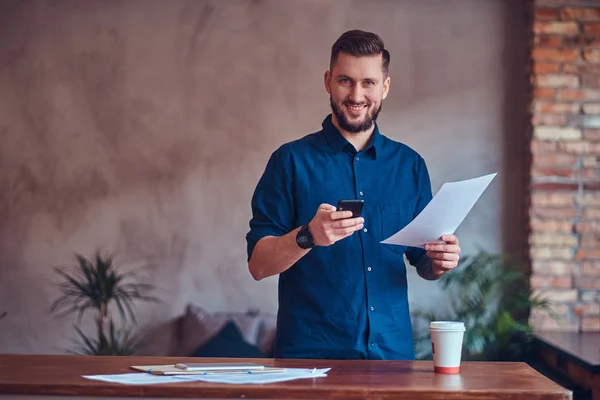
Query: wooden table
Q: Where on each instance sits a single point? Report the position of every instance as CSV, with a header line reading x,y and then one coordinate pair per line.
x,y
61,375
574,355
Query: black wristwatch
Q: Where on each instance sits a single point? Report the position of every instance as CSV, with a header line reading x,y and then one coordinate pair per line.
x,y
304,239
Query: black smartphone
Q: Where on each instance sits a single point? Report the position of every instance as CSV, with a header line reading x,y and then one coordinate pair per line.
x,y
356,206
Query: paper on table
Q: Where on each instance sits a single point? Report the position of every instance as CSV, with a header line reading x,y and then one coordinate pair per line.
x,y
148,379
137,378
443,214
288,375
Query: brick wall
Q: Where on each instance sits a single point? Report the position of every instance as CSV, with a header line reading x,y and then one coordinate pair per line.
x,y
565,165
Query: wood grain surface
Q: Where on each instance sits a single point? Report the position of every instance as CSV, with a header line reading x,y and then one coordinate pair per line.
x,y
357,379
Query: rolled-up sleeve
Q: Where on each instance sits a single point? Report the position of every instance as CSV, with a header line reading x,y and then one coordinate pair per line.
x,y
414,254
272,201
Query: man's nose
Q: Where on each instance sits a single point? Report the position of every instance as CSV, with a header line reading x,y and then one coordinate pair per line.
x,y
356,95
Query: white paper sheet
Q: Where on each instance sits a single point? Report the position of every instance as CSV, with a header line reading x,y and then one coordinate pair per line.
x,y
443,214
141,378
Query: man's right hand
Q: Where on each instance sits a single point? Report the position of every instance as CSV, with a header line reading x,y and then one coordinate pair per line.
x,y
328,225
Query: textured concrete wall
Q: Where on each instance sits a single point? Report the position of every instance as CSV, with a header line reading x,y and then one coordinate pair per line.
x,y
142,127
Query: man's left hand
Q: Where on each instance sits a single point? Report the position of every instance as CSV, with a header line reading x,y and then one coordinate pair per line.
x,y
444,256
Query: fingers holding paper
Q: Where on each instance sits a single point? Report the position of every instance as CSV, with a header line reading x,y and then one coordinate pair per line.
x,y
444,256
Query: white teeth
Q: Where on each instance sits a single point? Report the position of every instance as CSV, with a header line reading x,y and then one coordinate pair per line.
x,y
355,108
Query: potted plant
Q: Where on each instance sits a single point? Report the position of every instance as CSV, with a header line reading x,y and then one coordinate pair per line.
x,y
491,295
99,285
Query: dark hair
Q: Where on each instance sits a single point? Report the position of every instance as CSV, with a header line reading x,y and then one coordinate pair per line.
x,y
359,43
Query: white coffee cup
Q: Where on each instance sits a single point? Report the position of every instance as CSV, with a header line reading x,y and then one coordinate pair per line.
x,y
446,344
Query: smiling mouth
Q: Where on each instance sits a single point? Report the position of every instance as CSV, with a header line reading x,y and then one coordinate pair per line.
x,y
354,109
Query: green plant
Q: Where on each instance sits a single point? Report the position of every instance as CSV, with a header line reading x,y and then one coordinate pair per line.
x,y
490,294
99,285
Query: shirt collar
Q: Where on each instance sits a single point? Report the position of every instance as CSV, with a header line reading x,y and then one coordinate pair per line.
x,y
338,143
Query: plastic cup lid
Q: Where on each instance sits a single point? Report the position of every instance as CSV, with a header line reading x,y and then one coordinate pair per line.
x,y
447,325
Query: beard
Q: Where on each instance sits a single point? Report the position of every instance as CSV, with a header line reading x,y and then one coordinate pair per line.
x,y
354,127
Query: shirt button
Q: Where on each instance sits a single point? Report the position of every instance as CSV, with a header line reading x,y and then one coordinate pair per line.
x,y
369,269
357,158
361,193
372,308
365,230
372,344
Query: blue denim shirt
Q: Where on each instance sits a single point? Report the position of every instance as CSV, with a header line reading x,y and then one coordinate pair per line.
x,y
348,300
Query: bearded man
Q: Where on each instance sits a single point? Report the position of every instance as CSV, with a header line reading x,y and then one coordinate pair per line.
x,y
343,294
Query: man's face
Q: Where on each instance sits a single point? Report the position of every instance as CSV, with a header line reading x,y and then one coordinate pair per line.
x,y
356,87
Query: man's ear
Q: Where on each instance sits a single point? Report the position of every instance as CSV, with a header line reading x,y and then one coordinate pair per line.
x,y
386,87
327,81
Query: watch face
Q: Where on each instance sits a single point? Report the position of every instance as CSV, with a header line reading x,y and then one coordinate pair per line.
x,y
303,239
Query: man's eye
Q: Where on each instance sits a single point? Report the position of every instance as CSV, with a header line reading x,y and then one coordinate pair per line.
x,y
369,83
344,80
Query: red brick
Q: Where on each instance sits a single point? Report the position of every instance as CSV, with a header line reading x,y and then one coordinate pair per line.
x,y
580,14
542,282
588,199
554,267
589,173
584,68
555,54
588,226
588,254
590,310
588,283
555,27
547,40
549,225
548,120
590,161
538,146
591,268
579,41
540,68
591,213
591,134
543,93
590,81
580,147
592,55
561,212
591,324
556,108
578,94
589,240
591,28
553,199
555,186
591,109
546,13
593,186
551,253
555,159
538,172
553,239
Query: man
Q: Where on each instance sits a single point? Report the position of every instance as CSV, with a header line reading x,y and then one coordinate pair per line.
x,y
343,294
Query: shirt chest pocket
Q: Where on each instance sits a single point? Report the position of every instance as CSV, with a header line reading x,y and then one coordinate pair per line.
x,y
393,218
